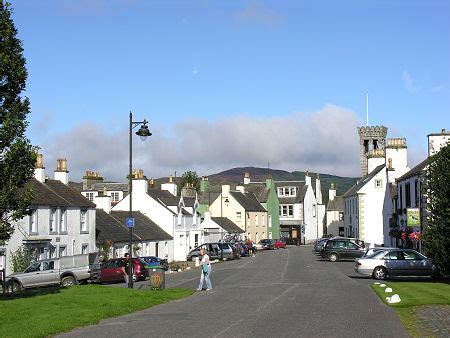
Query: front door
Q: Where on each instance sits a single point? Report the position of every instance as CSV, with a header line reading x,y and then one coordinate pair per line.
x,y
157,249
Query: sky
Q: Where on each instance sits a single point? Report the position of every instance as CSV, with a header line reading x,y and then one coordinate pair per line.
x,y
231,83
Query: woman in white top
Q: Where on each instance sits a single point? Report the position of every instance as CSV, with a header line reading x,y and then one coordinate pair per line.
x,y
205,271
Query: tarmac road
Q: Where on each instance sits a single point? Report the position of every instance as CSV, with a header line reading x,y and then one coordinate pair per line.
x,y
287,293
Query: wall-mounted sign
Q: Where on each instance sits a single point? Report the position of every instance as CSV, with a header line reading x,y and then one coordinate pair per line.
x,y
412,217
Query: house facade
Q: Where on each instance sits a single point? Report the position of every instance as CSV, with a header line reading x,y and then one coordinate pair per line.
x,y
61,221
335,214
243,209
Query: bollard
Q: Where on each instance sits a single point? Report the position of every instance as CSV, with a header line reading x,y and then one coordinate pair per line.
x,y
197,261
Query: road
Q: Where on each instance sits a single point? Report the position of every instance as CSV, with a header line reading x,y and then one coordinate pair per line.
x,y
289,293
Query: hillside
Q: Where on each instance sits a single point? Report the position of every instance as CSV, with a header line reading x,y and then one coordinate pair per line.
x,y
236,176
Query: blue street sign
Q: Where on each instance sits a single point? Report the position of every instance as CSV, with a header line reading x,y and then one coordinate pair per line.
x,y
130,222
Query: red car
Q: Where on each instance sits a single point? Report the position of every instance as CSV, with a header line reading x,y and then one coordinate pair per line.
x,y
280,243
111,270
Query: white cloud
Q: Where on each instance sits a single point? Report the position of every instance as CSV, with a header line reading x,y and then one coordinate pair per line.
x,y
323,141
410,84
256,12
195,72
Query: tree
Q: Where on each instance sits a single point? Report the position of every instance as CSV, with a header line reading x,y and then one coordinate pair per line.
x,y
22,258
191,178
17,155
436,237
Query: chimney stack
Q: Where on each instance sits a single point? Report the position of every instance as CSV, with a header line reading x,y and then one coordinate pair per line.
x,y
39,171
332,192
247,178
61,172
170,187
318,190
307,179
90,178
139,182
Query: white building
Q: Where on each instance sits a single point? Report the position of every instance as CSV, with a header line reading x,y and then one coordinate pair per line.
x,y
61,221
407,193
300,209
335,214
368,204
167,211
216,229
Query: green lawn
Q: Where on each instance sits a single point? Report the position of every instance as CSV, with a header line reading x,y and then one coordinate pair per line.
x,y
46,312
413,295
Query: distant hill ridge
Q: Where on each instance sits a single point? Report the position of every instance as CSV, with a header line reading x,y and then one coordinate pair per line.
x,y
236,176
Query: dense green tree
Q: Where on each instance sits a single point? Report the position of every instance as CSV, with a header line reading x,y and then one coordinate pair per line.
x,y
17,155
192,178
436,238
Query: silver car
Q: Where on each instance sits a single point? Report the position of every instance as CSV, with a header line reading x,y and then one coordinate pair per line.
x,y
394,262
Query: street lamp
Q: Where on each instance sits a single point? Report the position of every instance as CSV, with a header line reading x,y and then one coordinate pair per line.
x,y
143,133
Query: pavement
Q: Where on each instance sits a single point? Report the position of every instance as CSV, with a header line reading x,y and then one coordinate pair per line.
x,y
287,293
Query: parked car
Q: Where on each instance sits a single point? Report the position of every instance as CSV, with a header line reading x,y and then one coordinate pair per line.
x,y
111,270
395,262
370,251
319,244
354,240
64,271
265,244
342,248
152,261
214,251
280,244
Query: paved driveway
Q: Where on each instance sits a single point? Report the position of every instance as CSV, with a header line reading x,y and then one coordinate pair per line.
x,y
277,293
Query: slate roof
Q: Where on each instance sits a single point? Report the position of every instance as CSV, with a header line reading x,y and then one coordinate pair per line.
x,y
144,228
248,201
416,170
109,229
362,182
228,225
259,190
54,193
337,204
164,196
110,186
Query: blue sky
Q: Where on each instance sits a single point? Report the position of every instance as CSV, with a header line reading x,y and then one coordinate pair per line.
x,y
214,78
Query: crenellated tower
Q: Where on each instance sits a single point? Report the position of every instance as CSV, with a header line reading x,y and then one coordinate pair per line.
x,y
370,138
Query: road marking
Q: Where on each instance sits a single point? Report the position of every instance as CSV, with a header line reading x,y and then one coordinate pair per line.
x,y
285,267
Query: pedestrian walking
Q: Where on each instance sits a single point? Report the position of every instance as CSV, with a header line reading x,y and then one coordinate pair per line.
x,y
249,245
126,268
205,272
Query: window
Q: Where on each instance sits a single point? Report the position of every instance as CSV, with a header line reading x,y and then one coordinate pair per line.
x,y
85,249
33,267
33,222
53,221
62,251
409,255
115,197
391,255
62,221
90,196
286,210
263,219
52,252
352,246
48,265
408,194
341,216
287,191
83,221
238,215
270,221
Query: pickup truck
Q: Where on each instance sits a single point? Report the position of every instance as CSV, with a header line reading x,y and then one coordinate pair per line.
x,y
65,271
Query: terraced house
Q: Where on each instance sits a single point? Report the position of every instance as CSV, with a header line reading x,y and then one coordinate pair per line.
x,y
61,221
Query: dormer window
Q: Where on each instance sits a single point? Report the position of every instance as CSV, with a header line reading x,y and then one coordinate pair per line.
x,y
287,191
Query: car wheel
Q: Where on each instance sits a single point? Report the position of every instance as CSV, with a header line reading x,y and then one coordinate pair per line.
x,y
333,257
135,278
379,272
14,287
68,281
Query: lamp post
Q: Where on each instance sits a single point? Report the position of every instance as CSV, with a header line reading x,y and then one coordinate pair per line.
x,y
143,132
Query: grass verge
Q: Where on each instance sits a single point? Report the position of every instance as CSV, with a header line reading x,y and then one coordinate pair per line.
x,y
414,295
49,311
